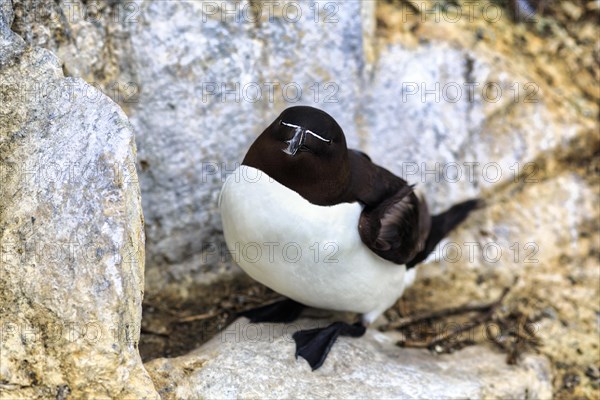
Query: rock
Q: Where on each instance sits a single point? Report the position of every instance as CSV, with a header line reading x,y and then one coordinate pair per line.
x,y
71,235
89,38
518,236
183,147
499,142
327,62
450,142
172,67
257,361
438,127
229,69
11,45
224,63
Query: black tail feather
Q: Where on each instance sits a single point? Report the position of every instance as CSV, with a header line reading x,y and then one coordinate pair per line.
x,y
442,224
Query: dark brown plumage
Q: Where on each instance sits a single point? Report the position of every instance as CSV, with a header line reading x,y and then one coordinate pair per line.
x,y
308,154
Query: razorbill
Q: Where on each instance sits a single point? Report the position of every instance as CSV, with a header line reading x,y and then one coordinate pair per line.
x,y
326,227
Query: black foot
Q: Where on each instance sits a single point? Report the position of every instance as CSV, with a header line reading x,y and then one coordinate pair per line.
x,y
281,311
314,344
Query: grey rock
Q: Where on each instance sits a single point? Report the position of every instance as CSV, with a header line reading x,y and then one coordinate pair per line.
x,y
6,17
186,148
459,122
11,45
257,361
180,59
315,53
194,124
90,39
183,60
183,148
71,231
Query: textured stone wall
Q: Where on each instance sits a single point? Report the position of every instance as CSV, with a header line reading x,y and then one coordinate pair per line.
x,y
497,100
71,235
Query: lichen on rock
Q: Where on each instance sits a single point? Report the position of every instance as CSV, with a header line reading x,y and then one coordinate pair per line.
x,y
71,236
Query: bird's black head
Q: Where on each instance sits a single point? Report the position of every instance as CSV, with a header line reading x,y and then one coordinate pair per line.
x,y
308,130
305,150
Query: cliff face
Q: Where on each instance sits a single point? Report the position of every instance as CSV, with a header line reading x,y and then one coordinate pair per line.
x,y
487,99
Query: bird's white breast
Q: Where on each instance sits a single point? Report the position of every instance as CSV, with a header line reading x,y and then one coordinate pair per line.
x,y
312,254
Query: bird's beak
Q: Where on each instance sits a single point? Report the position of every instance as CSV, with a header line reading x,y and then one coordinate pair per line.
x,y
296,142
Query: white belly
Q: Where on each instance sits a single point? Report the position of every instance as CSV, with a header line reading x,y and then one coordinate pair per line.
x,y
309,253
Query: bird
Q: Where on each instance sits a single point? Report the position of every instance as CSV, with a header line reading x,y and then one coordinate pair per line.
x,y
326,227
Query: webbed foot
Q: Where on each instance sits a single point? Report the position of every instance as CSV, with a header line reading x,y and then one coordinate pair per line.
x,y
314,344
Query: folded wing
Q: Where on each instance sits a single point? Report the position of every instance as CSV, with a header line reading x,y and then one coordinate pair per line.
x,y
395,222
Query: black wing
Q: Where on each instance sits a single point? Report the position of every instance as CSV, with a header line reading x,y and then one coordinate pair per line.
x,y
395,229
394,223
